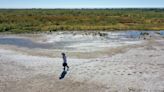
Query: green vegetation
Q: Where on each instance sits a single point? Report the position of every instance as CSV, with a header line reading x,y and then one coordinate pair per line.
x,y
34,20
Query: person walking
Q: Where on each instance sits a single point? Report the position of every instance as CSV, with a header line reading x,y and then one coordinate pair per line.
x,y
65,62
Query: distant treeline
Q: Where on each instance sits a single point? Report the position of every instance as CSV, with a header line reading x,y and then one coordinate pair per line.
x,y
36,20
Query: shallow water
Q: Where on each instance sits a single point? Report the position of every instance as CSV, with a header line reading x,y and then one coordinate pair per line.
x,y
132,35
70,41
161,33
22,42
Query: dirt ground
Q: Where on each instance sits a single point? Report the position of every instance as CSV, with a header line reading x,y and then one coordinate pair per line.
x,y
131,68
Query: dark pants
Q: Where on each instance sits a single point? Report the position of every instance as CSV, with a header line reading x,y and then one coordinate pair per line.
x,y
65,65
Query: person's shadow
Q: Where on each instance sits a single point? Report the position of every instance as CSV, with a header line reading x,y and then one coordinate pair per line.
x,y
63,74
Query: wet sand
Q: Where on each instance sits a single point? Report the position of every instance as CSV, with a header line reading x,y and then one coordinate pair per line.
x,y
137,67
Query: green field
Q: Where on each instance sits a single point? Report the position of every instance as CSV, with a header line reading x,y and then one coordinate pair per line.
x,y
41,20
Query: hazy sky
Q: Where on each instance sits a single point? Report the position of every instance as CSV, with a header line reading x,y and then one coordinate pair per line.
x,y
81,3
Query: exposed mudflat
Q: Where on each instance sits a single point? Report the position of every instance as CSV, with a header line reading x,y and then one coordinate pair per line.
x,y
99,62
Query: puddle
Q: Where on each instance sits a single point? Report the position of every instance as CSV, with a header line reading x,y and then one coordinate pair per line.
x,y
22,42
124,35
161,33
